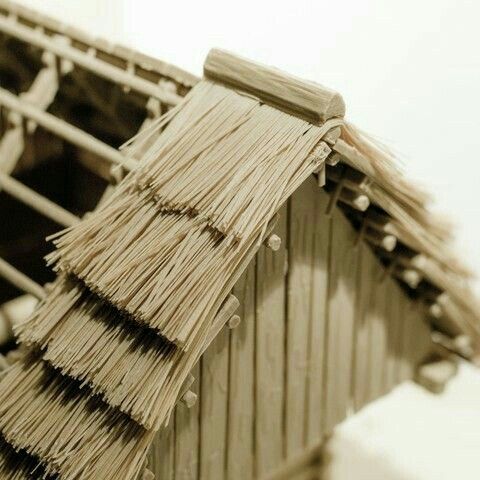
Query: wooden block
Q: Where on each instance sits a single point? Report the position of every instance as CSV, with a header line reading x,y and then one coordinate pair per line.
x,y
213,408
343,269
240,461
434,376
187,436
270,352
302,98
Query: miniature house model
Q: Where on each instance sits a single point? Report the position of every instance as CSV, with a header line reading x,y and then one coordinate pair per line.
x,y
245,273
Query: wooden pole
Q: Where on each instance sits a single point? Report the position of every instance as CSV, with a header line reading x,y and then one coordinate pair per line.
x,y
37,202
20,280
64,130
82,59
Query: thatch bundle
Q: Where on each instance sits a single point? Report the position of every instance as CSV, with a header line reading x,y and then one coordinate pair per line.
x,y
131,367
143,280
72,433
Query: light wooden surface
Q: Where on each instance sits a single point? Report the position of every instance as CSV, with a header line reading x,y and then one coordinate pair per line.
x,y
317,322
161,458
187,436
378,344
240,459
363,327
343,269
270,351
307,283
394,334
299,97
213,408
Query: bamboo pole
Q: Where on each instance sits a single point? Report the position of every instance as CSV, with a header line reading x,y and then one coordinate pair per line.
x,y
20,280
37,202
81,59
64,130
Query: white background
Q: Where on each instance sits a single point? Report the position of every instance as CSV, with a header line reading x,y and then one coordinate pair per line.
x,y
410,74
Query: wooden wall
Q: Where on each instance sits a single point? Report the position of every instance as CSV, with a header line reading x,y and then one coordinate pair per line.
x,y
323,333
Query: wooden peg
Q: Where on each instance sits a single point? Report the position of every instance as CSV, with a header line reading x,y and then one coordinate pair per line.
x,y
274,242
411,277
435,310
387,242
148,475
189,399
234,321
334,159
358,201
434,376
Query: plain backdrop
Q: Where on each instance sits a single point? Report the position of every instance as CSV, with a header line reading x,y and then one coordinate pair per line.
x,y
410,74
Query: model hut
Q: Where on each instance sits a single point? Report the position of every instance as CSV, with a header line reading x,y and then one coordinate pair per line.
x,y
246,272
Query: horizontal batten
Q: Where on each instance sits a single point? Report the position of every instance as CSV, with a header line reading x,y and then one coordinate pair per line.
x,y
64,130
36,201
20,280
95,65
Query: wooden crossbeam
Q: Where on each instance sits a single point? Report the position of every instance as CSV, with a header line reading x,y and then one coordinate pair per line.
x,y
64,130
20,280
89,62
36,201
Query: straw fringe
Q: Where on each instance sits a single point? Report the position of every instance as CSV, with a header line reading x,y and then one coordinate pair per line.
x,y
18,465
129,366
165,269
73,435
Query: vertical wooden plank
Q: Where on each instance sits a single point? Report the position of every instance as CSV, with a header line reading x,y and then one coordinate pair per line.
x,y
161,458
407,354
393,335
401,305
340,320
362,340
269,352
187,441
318,318
422,340
378,344
307,283
213,408
240,458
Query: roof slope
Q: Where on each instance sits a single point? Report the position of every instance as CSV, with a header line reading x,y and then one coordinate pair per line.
x,y
144,281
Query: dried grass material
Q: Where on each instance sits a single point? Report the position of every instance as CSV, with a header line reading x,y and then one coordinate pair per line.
x,y
226,157
131,367
73,435
18,465
165,269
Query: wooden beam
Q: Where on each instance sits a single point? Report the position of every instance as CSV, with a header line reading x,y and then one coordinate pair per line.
x,y
82,59
64,130
37,202
20,280
305,99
